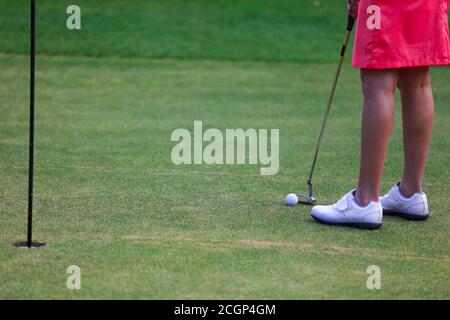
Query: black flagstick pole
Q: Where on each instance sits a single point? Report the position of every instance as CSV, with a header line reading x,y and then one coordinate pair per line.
x,y
31,145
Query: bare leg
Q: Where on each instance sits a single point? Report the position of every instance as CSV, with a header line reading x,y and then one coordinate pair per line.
x,y
376,128
418,116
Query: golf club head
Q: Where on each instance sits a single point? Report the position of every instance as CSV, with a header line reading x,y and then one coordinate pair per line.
x,y
306,199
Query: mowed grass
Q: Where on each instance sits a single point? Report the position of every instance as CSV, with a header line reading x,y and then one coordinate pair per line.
x,y
109,199
270,30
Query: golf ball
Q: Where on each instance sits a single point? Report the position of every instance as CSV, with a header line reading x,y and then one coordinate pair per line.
x,y
291,199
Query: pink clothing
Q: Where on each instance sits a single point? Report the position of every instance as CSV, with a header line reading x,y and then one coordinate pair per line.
x,y
401,33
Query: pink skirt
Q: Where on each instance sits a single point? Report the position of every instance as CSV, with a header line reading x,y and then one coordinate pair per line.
x,y
401,33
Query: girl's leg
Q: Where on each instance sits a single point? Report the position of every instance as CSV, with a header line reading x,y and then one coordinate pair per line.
x,y
418,116
376,128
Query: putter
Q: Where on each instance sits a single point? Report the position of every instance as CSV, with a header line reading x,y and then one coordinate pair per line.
x,y
308,198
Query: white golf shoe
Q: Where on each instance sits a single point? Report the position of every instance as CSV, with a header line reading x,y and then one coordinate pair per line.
x,y
412,208
347,212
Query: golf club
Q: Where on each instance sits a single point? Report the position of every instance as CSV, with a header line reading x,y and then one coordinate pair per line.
x,y
309,199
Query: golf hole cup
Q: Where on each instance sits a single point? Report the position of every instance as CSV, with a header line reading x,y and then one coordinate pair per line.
x,y
291,199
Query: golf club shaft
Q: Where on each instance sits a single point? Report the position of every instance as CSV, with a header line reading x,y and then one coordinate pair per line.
x,y
330,101
31,144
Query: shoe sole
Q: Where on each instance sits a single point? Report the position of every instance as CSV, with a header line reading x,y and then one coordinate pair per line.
x,y
358,225
407,216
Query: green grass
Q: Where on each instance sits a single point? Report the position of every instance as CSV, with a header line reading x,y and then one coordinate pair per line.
x,y
307,30
109,199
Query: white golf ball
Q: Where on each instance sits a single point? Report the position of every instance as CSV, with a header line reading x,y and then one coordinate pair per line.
x,y
291,199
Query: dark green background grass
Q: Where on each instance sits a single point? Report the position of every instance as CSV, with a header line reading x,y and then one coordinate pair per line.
x,y
271,30
109,199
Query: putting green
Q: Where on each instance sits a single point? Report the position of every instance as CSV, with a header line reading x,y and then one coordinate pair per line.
x,y
109,199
